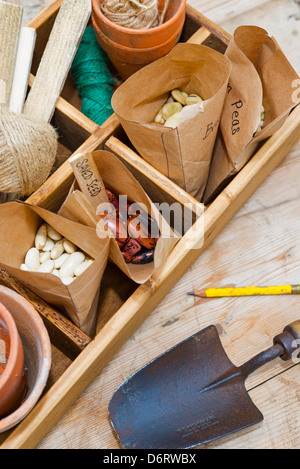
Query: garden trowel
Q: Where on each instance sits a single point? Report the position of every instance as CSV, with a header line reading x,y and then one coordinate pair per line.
x,y
192,394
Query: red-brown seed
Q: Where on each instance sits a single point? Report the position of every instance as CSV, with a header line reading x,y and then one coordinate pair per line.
x,y
132,247
112,198
117,228
144,257
127,257
139,231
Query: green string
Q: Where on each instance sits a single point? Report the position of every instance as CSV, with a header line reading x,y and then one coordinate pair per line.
x,y
90,70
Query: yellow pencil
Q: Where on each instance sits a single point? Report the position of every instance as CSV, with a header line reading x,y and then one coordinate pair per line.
x,y
247,291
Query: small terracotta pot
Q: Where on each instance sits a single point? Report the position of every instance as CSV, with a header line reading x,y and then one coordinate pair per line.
x,y
129,49
134,55
37,353
13,379
142,38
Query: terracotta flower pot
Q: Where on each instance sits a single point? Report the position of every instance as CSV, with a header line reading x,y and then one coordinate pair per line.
x,y
13,380
128,60
143,38
129,49
37,353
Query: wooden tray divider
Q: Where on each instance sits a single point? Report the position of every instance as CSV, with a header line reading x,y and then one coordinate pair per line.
x,y
129,156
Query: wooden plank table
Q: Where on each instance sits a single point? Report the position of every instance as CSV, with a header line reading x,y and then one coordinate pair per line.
x,y
259,246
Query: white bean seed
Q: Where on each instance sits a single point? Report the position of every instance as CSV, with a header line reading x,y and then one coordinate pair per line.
x,y
57,250
41,237
69,247
67,280
47,267
60,260
53,234
48,246
82,267
44,256
69,266
32,259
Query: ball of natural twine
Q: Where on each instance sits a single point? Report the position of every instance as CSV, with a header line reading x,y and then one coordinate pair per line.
x,y
135,14
27,152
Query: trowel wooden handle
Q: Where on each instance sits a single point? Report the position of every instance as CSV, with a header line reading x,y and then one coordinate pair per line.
x,y
89,178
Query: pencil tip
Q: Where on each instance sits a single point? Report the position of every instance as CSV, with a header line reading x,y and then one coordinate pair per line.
x,y
191,293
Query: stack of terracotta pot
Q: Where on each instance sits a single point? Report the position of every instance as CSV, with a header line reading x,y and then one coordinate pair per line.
x,y
130,49
25,358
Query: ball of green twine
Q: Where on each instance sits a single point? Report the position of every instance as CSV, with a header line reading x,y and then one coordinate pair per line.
x,y
90,70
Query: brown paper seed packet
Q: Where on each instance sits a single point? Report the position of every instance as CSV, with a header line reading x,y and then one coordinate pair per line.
x,y
261,77
78,301
182,154
119,180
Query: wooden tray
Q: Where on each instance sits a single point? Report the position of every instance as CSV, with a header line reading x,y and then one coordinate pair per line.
x,y
123,306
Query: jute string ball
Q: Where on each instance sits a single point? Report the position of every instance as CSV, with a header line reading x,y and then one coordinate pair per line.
x,y
135,14
27,152
28,142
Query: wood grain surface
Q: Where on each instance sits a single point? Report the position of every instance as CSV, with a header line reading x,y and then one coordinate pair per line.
x,y
259,246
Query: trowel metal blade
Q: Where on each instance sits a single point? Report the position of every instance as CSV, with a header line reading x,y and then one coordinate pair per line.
x,y
188,396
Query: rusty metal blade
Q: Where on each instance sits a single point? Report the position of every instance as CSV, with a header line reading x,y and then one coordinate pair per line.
x,y
190,395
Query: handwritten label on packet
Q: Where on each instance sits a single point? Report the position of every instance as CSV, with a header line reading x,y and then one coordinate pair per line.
x,y
210,129
235,117
89,178
235,124
93,186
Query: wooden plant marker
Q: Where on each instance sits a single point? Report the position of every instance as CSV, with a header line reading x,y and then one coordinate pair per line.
x,y
10,24
89,178
22,69
57,59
